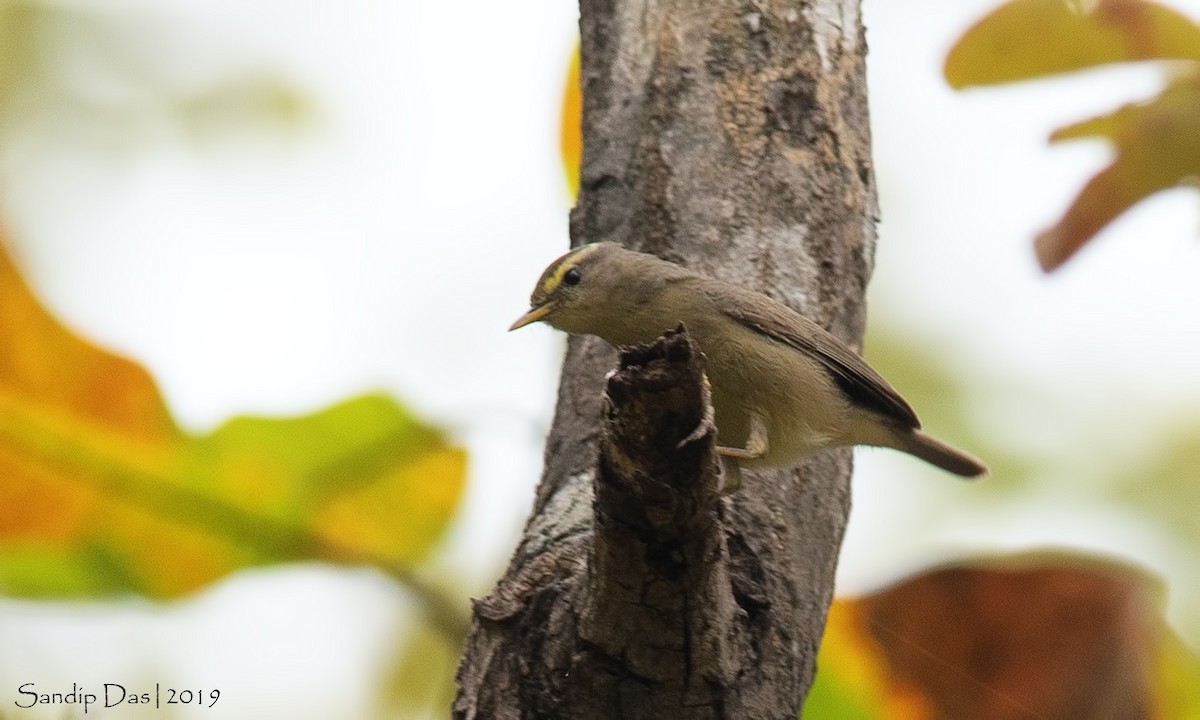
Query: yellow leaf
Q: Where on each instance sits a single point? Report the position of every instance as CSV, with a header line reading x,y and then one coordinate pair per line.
x,y
389,518
1026,39
853,682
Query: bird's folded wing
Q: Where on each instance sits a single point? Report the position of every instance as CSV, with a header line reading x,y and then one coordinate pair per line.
x,y
861,384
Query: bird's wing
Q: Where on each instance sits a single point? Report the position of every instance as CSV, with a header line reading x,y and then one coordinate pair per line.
x,y
861,384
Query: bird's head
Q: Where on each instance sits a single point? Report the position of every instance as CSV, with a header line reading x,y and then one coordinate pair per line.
x,y
575,293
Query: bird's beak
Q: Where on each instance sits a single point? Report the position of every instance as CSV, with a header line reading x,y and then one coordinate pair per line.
x,y
534,314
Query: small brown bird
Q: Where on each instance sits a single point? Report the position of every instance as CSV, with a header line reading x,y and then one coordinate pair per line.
x,y
782,386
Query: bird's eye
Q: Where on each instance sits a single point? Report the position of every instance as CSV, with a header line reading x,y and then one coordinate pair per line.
x,y
572,276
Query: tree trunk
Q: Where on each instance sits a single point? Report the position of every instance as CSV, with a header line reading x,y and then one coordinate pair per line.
x,y
730,137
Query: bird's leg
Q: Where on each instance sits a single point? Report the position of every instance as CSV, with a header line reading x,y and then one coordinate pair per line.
x,y
756,444
731,473
756,447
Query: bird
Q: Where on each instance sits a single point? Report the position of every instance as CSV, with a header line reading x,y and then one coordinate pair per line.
x,y
782,387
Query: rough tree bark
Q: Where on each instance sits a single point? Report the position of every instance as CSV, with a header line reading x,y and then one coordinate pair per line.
x,y
732,137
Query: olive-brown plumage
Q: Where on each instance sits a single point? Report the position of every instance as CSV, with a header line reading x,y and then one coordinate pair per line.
x,y
782,386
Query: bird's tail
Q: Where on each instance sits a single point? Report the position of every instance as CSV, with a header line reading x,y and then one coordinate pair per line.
x,y
936,452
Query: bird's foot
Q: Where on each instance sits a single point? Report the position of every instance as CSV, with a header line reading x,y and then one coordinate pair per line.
x,y
706,425
756,444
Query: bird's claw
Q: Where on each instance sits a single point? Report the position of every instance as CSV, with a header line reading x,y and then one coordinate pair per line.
x,y
706,425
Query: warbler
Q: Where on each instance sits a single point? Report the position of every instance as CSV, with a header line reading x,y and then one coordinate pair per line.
x,y
782,386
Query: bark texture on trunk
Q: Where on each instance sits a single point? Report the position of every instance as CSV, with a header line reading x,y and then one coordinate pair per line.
x,y
730,137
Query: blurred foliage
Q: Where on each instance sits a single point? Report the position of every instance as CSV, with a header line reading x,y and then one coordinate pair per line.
x,y
1159,487
1174,466
1157,147
941,397
421,682
1027,635
1157,143
117,72
851,679
1037,636
1026,39
570,136
104,494
101,493
1163,486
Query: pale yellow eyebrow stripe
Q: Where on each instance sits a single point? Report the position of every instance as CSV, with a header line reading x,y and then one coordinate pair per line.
x,y
568,262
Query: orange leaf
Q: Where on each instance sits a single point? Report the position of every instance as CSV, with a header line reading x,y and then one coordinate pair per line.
x,y
49,378
1040,636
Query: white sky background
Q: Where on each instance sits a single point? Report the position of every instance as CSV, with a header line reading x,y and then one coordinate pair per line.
x,y
391,244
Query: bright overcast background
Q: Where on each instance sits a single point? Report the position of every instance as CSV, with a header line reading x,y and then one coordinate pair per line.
x,y
389,240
